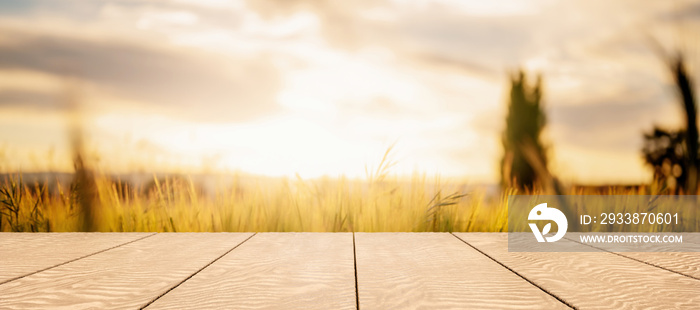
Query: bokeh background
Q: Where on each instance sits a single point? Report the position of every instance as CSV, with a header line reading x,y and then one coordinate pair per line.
x,y
259,115
318,88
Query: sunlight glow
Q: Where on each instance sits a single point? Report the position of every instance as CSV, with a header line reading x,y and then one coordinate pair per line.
x,y
325,89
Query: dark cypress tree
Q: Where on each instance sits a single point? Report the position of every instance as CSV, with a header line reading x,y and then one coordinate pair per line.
x,y
524,155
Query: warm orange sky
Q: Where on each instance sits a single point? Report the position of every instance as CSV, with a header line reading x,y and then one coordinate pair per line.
x,y
324,87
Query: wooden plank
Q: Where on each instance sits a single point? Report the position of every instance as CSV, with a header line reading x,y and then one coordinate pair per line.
x,y
593,279
274,271
437,271
124,277
687,263
25,253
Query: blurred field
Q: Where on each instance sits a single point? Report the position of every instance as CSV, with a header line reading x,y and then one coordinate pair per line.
x,y
382,203
176,204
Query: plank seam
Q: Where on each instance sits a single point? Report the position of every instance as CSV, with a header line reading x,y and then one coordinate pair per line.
x,y
354,258
75,259
634,259
516,273
196,272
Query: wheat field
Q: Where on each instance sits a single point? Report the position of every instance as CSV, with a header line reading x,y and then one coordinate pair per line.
x,y
381,203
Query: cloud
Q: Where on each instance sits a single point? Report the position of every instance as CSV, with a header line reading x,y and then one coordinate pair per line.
x,y
188,83
471,35
29,99
681,12
608,125
437,61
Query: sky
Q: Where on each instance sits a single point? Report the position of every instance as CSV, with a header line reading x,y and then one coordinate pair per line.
x,y
326,87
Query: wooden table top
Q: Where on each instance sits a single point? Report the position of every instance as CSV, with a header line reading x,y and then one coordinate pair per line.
x,y
330,271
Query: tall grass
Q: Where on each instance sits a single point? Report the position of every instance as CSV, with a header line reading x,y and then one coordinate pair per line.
x,y
386,203
20,208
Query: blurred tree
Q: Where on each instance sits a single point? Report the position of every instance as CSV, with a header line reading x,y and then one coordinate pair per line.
x,y
691,134
665,151
674,154
524,156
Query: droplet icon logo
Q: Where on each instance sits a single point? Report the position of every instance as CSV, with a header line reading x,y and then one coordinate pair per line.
x,y
541,212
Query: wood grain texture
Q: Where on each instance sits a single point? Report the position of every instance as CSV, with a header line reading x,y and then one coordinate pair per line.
x,y
687,263
125,277
437,271
274,271
25,253
593,280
